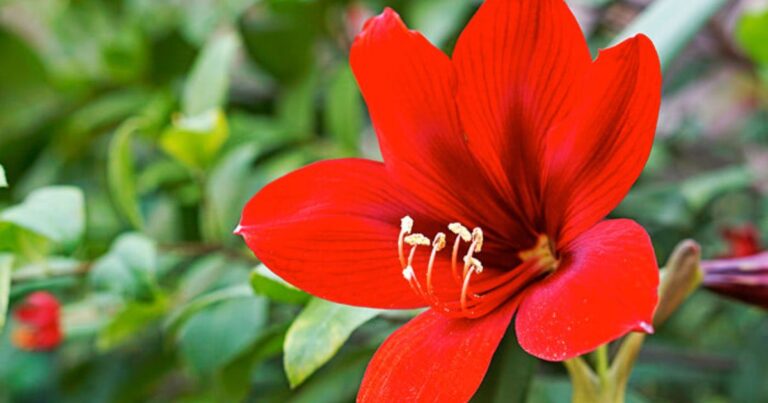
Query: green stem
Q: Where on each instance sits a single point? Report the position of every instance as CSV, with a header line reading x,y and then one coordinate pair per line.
x,y
601,364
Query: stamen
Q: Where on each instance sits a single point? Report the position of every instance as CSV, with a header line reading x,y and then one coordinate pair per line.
x,y
460,230
474,263
437,245
406,225
465,288
474,294
454,257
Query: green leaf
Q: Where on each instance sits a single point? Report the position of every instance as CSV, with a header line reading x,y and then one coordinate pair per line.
x,y
196,140
344,110
231,183
317,334
3,181
200,18
234,379
128,268
6,264
131,321
268,284
671,24
215,336
701,189
438,19
296,106
339,382
282,41
181,315
752,35
207,85
509,377
56,212
120,173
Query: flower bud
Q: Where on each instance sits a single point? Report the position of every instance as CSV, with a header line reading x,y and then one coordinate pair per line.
x,y
39,321
741,278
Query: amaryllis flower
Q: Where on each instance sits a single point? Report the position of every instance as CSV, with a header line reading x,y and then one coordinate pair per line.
x,y
743,278
39,322
742,241
500,165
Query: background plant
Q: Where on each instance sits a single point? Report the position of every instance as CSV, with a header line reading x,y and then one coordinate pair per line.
x,y
132,132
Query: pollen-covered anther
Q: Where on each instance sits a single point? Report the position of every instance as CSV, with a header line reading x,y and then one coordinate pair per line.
x,y
417,240
461,231
477,239
406,224
474,262
439,242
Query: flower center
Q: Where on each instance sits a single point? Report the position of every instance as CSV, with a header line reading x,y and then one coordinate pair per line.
x,y
473,292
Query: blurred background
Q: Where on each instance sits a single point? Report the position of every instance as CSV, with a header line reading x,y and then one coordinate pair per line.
x,y
132,132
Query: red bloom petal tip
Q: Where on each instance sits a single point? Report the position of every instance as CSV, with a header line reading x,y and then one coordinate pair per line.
x,y
645,327
388,15
239,230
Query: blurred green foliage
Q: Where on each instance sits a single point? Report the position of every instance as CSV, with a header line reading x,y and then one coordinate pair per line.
x,y
133,132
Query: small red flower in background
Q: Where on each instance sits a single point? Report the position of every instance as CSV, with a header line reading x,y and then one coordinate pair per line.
x,y
39,322
500,165
742,278
742,241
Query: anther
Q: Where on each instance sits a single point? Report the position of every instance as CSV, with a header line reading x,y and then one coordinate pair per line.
x,y
477,239
461,231
417,240
471,261
439,242
406,224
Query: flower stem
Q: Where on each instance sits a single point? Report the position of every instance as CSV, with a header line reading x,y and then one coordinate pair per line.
x,y
601,364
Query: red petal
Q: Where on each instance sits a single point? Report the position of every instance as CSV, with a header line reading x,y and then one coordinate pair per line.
x,y
517,62
434,358
596,154
331,229
409,86
606,286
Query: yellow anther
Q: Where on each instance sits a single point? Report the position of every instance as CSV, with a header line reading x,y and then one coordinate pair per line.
x,y
406,224
439,242
461,231
471,261
417,239
477,238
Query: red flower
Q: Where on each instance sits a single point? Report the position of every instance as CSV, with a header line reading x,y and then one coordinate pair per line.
x,y
741,278
742,241
516,148
40,327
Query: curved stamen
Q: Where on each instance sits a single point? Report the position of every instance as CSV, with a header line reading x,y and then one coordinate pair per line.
x,y
406,225
465,287
437,245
